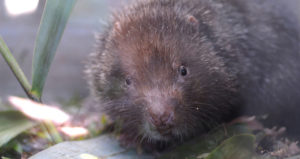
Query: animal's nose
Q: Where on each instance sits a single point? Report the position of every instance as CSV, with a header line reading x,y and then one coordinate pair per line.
x,y
163,121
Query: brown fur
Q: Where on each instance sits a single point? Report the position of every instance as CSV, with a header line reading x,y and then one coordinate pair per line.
x,y
222,46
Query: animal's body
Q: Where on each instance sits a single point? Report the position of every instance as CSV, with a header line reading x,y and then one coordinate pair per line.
x,y
172,69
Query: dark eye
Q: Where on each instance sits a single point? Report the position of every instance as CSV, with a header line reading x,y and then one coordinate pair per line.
x,y
128,81
183,71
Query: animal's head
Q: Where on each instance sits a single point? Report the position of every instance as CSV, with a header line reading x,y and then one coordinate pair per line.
x,y
160,76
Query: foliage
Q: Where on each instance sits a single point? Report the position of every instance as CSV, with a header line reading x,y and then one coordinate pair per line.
x,y
236,147
53,23
12,124
54,19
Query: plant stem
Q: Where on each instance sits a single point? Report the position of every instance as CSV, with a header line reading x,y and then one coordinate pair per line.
x,y
46,132
17,71
53,131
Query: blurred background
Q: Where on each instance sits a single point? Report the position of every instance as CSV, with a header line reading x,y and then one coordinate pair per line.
x,y
19,20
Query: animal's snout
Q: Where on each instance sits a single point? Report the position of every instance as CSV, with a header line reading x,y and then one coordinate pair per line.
x,y
162,120
161,106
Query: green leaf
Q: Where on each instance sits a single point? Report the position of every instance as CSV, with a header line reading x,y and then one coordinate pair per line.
x,y
236,147
12,123
53,23
198,147
12,148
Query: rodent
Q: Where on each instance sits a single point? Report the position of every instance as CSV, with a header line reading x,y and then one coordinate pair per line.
x,y
173,69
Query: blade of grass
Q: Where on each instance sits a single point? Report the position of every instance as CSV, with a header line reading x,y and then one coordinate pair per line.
x,y
54,19
14,66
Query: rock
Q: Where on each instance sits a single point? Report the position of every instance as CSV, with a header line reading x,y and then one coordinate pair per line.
x,y
103,147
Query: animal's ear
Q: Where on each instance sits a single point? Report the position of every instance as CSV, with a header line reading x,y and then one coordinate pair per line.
x,y
117,28
191,19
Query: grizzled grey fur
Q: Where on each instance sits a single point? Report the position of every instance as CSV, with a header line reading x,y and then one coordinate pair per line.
x,y
171,69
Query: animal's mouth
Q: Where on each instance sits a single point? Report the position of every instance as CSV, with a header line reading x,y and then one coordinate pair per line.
x,y
164,133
